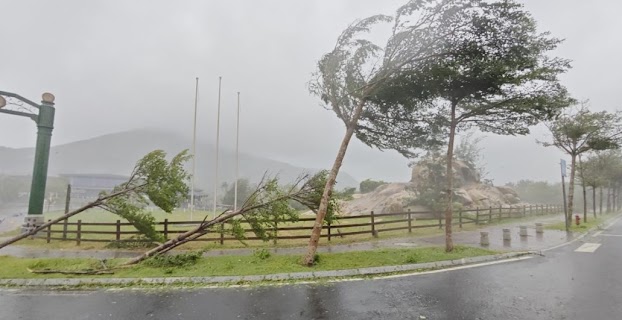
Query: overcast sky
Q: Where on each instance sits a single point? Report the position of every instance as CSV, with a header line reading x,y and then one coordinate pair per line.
x,y
123,65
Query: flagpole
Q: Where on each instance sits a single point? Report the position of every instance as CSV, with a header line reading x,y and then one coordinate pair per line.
x,y
217,148
237,158
194,147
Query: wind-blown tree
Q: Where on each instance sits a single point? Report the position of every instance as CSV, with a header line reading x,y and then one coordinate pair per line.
x,y
593,175
349,75
581,131
498,78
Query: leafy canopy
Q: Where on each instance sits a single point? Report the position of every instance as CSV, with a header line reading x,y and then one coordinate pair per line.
x,y
153,180
358,73
581,130
496,75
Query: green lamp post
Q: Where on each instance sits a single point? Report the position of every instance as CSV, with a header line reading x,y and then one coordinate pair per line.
x,y
44,118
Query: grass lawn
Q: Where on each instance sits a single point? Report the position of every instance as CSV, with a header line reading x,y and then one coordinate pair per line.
x,y
241,265
591,222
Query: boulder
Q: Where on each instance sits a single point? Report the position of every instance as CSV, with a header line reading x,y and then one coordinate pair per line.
x,y
507,190
463,197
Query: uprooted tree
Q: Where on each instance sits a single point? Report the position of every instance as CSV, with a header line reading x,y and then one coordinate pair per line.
x,y
162,183
153,180
268,203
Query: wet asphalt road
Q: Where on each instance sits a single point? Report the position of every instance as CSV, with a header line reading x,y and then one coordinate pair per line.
x,y
563,284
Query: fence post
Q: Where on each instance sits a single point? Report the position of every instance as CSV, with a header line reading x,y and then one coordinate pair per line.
x,y
460,218
79,233
410,224
524,210
440,220
65,229
510,213
49,235
166,229
477,216
373,226
490,214
222,233
328,224
500,212
118,230
276,231
68,199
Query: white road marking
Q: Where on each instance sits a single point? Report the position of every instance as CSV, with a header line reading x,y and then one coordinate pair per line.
x,y
611,235
597,233
588,247
454,268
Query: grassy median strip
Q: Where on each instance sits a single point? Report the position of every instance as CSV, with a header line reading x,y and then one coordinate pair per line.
x,y
583,227
258,264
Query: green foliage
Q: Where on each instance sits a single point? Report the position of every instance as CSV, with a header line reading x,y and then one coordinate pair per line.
x,y
469,151
582,130
165,181
262,254
430,187
369,185
154,180
496,75
358,73
263,220
174,261
311,195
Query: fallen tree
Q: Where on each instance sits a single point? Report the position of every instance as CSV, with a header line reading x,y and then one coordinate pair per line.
x,y
268,203
153,179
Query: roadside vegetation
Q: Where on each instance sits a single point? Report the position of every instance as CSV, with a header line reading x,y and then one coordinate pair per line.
x,y
260,263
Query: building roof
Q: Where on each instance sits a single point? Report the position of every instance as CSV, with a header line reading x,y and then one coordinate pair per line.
x,y
93,175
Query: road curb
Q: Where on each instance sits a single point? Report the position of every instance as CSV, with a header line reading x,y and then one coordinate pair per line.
x,y
223,280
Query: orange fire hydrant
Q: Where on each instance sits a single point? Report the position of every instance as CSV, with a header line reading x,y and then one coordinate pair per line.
x,y
577,219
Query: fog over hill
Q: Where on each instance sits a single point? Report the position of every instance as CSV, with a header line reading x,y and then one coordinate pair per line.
x,y
117,153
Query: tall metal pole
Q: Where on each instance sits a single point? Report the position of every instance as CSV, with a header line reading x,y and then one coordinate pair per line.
x,y
237,158
45,124
566,219
217,148
194,148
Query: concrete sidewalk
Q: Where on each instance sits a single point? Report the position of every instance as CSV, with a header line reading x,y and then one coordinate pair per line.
x,y
532,242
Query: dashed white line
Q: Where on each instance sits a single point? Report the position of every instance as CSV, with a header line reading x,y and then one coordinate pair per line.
x,y
611,235
588,247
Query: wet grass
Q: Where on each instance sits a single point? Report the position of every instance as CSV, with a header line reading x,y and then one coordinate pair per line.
x,y
583,227
240,265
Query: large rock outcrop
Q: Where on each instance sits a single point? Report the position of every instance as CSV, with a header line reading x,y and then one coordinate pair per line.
x,y
469,191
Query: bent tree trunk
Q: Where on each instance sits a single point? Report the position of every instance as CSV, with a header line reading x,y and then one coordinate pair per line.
x,y
309,258
573,167
449,243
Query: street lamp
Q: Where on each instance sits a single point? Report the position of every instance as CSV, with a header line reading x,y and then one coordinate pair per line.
x,y
43,116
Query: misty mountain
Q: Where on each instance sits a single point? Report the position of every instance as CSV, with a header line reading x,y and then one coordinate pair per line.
x,y
117,153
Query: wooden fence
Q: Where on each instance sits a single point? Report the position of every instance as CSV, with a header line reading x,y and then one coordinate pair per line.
x,y
370,224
